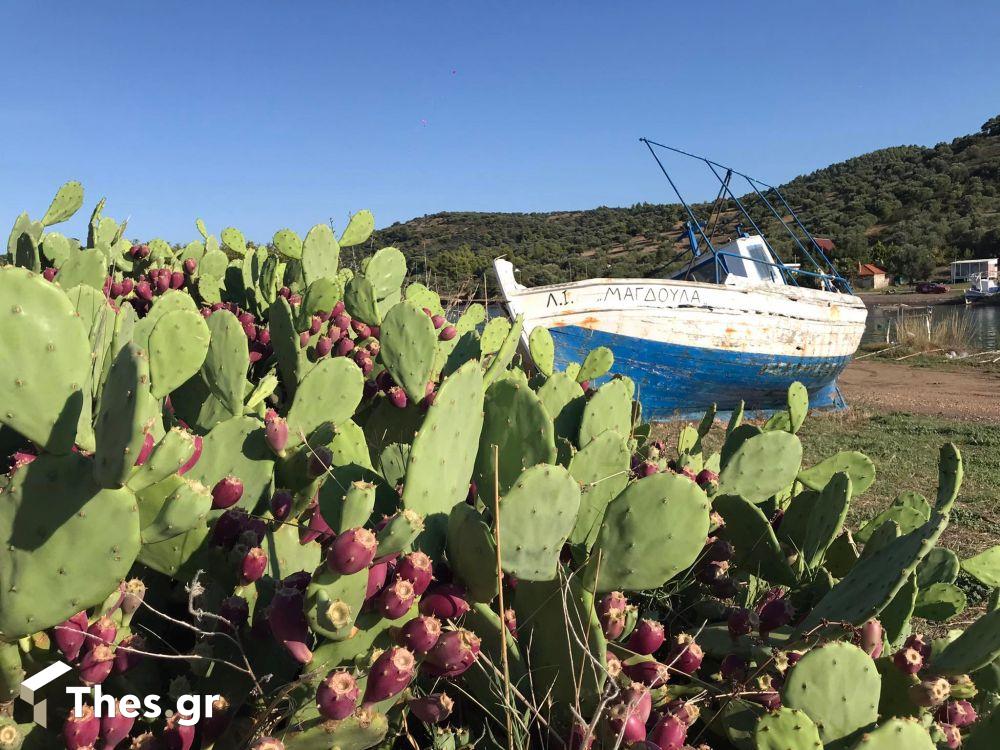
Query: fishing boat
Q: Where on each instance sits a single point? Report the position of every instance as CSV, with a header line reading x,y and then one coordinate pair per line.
x,y
734,324
982,289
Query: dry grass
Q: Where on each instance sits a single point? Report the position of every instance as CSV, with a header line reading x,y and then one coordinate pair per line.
x,y
913,335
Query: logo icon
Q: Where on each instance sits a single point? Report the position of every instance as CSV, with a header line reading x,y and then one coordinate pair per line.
x,y
35,690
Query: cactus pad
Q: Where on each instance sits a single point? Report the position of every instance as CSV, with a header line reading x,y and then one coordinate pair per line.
x,y
236,447
786,729
940,601
408,345
494,333
329,393
650,533
756,545
361,302
66,202
610,408
858,467
596,364
533,532
333,602
42,391
837,686
949,477
985,567
542,350
798,405
973,649
762,466
320,254
227,361
65,554
827,518
177,348
505,354
359,229
564,401
125,414
601,468
471,552
288,243
896,734
233,239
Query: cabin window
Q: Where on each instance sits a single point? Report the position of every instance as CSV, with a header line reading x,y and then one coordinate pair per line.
x,y
764,271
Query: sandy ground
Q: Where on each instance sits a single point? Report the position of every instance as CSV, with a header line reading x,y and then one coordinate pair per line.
x,y
885,386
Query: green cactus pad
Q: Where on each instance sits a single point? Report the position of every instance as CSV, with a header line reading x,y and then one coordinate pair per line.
x,y
386,270
597,363
177,348
56,248
471,552
343,593
444,454
837,686
226,361
346,508
124,415
288,243
233,239
65,554
505,354
329,393
292,362
99,321
950,474
786,729
516,422
984,734
359,229
798,405
542,350
185,508
978,646
474,315
940,601
42,395
532,532
651,532
361,730
321,296
286,554
857,465
601,469
236,447
895,616
909,511
66,202
170,454
408,346
320,254
494,333
762,466
564,402
423,297
896,734
985,567
756,545
213,263
827,519
735,438
11,674
361,302
872,583
398,533
941,565
610,408
705,426
87,268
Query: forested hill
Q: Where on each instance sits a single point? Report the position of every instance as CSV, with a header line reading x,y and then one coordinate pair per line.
x,y
906,208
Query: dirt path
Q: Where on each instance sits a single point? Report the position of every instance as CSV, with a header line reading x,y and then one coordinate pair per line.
x,y
884,386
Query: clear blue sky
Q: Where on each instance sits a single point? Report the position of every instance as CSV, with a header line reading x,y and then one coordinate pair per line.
x,y
273,114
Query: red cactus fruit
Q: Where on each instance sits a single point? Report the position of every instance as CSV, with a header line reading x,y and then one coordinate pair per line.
x,y
420,634
871,638
96,664
445,601
733,668
70,635
352,551
195,455
343,347
337,695
930,693
275,431
392,671
958,713
417,568
281,504
685,655
611,614
81,731
433,708
147,449
115,727
236,610
448,333
377,575
908,660
647,636
741,621
324,345
288,623
952,736
397,397
102,630
454,652
177,736
125,654
396,599
625,723
650,673
669,733
227,492
639,700
253,566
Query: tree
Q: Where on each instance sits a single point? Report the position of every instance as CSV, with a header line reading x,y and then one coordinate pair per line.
x,y
992,126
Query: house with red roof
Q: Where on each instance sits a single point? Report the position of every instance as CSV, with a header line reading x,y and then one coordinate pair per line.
x,y
870,276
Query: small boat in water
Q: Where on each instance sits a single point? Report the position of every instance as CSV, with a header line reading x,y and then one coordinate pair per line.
x,y
735,324
982,290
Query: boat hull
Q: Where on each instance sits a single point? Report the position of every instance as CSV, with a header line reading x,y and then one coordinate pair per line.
x,y
689,344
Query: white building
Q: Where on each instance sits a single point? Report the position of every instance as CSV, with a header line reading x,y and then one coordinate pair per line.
x,y
984,268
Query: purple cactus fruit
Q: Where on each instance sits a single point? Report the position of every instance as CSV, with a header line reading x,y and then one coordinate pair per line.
x,y
685,655
454,652
195,455
611,614
281,504
295,299
108,281
227,492
395,600
417,568
448,333
433,708
275,431
303,339
626,724
117,288
649,672
134,593
377,575
580,737
871,638
147,449
957,713
320,461
70,635
263,335
775,613
115,727
162,283
229,526
250,331
420,634
614,665
253,566
908,660
177,280
177,736
392,671
143,291
315,324
316,528
268,743
917,642
190,266
952,736
352,551
930,693
96,664
127,286
725,587
686,711
438,321
338,309
361,329
49,273
646,469
510,621
81,731
647,636
342,321
719,550
397,397
288,623
638,699
236,610
710,572
766,694
733,668
445,601
324,345
285,292
337,695
364,362
343,347
669,733
707,478
102,630
374,347
125,654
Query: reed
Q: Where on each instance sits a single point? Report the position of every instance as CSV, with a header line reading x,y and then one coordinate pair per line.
x,y
913,335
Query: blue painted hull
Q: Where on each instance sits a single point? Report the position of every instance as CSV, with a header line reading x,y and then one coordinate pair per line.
x,y
675,381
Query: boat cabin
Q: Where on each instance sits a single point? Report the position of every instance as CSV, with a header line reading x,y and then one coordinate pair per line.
x,y
744,260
